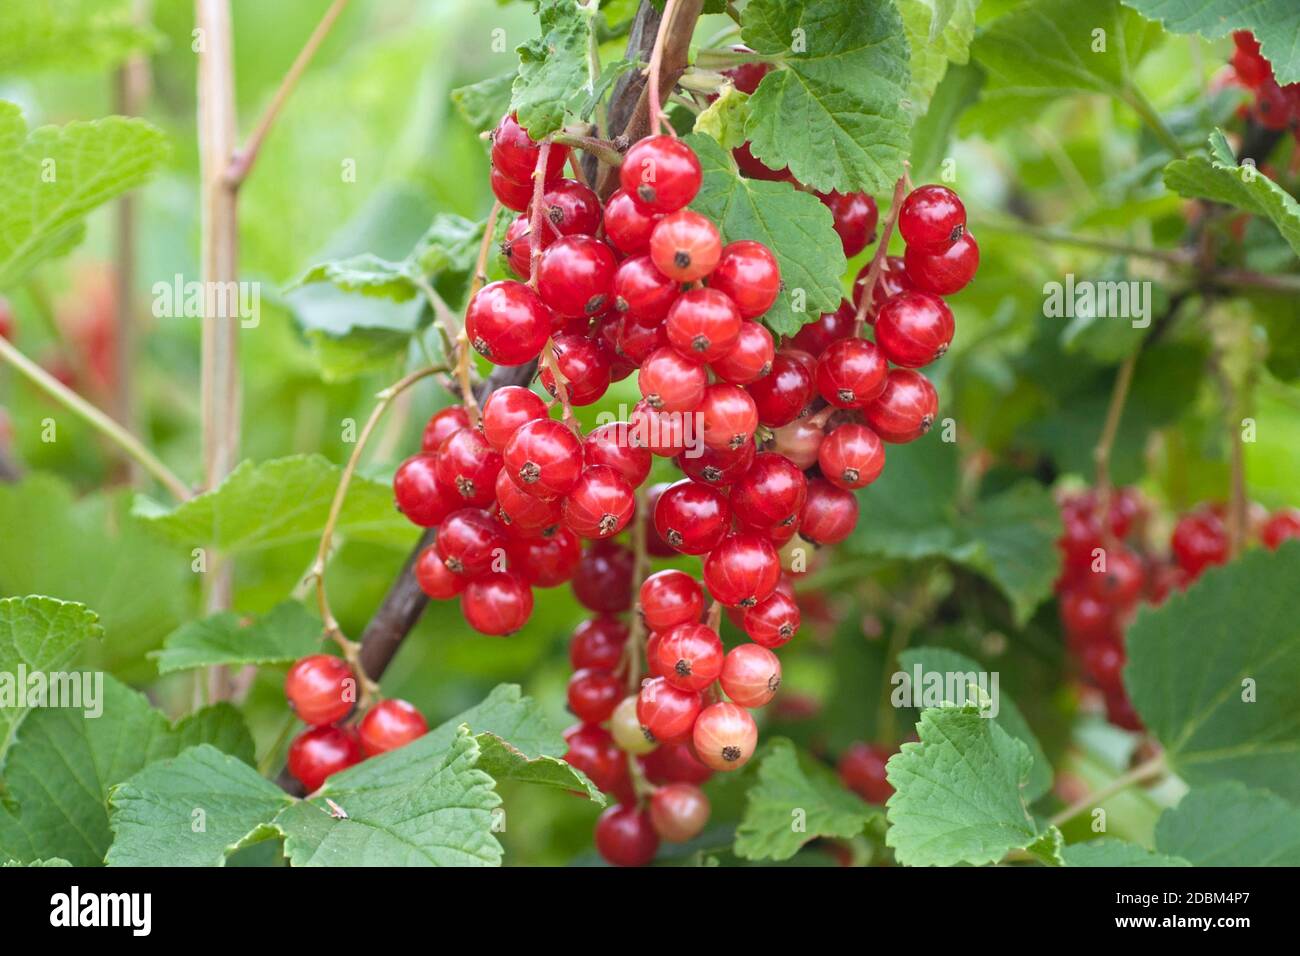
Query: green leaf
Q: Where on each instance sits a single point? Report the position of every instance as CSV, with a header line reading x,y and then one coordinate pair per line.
x,y
1219,178
55,175
939,32
222,726
359,352
501,760
432,813
1275,23
793,224
835,113
724,119
277,502
281,636
959,89
794,802
367,274
482,104
193,810
1110,852
910,512
54,862
1229,825
959,792
943,661
552,66
40,635
1212,673
71,35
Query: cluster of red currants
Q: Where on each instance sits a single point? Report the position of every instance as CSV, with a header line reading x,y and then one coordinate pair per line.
x,y
322,690
1275,107
1107,572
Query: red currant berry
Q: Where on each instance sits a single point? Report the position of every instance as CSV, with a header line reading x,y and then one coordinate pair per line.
x,y
783,394
441,427
639,338
852,456
749,359
703,325
674,763
1119,582
691,517
575,276
662,172
669,598
517,248
773,622
593,751
851,373
800,441
943,273
1199,540
814,337
725,736
321,689
1120,712
891,281
1252,69
317,754
931,218
498,603
746,76
770,495
747,274
855,219
685,246
661,431
914,328
603,581
641,290
829,515
544,458
593,694
507,323
670,382
585,366
505,410
598,643
728,417
679,812
1103,661
612,445
751,167
862,770
572,208
388,725
467,468
1086,618
418,494
600,504
689,656
666,712
905,409
625,836
742,570
513,195
628,225
547,561
515,153
1281,526
469,540
525,515
717,467
751,674
434,577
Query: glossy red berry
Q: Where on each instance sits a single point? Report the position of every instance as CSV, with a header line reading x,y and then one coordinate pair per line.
x,y
770,495
593,694
625,836
641,290
946,272
855,217
470,540
914,328
814,337
515,153
728,417
665,433
418,494
548,560
434,577
852,456
774,621
571,207
441,426
679,812
1103,661
513,195
600,505
931,218
905,409
692,518
525,515
689,656
1119,580
628,225
1087,618
598,643
851,373
862,770
751,167
685,246
517,247
751,675
497,603
782,395
746,76
603,581
670,598
1199,541
674,763
891,281
638,338
1281,526
829,515
749,359
717,467
593,751
575,276
662,172
725,736
742,570
585,366
544,458
800,441
612,444
747,273
666,712
467,468
317,754
321,689
388,725
670,382
703,325
505,410
507,323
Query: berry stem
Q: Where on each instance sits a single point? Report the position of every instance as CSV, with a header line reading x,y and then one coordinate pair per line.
x,y
1106,442
96,418
604,150
462,337
1148,114
1147,770
635,646
657,122
882,252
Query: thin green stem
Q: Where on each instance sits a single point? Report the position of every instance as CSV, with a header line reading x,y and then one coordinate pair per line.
x,y
1172,256
1148,114
1154,767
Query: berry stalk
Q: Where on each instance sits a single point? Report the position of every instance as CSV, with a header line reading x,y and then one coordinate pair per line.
x,y
901,187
